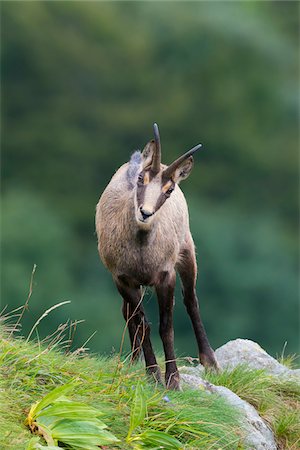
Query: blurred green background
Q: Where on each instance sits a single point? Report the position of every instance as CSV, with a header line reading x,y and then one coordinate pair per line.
x,y
82,84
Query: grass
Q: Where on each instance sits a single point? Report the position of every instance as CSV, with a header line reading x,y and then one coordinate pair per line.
x,y
137,412
30,370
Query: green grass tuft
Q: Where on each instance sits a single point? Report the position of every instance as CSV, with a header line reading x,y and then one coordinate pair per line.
x,y
289,361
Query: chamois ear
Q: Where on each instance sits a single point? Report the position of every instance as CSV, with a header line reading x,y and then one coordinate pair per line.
x,y
183,170
148,153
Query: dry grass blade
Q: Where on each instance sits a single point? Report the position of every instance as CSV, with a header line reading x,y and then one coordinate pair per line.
x,y
44,315
25,306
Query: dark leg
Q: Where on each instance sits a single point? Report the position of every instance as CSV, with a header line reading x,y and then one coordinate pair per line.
x,y
165,294
129,317
139,328
187,268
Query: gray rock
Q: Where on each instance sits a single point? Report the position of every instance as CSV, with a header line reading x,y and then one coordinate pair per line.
x,y
194,382
198,371
258,436
244,351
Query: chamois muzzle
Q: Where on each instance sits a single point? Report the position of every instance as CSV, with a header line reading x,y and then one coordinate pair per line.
x,y
145,214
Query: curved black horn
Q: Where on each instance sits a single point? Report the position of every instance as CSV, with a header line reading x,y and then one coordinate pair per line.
x,y
171,169
155,166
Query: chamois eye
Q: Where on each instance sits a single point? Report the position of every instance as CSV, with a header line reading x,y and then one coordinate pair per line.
x,y
170,190
141,178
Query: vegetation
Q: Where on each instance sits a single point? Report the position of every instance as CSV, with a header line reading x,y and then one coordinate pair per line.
x,y
82,84
76,401
134,410
73,424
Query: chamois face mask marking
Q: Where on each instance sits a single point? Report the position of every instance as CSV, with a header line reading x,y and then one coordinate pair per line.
x,y
155,183
151,194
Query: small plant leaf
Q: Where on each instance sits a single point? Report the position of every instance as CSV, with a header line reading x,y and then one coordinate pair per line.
x,y
138,410
35,445
46,447
158,439
70,427
69,409
48,399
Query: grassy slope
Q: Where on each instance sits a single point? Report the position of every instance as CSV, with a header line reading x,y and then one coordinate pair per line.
x,y
197,419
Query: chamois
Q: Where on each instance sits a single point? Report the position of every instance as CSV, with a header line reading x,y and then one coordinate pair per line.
x,y
142,225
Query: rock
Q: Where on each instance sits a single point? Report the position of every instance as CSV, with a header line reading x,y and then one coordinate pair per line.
x,y
258,436
244,351
194,382
198,371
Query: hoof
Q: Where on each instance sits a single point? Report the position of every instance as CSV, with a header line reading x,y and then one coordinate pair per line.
x,y
172,381
154,373
209,361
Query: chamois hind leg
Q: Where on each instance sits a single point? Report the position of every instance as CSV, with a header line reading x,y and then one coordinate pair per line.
x,y
138,326
187,269
165,295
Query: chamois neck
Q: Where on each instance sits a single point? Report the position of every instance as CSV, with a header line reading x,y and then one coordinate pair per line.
x,y
143,236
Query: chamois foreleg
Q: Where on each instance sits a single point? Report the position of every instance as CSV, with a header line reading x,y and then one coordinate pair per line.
x,y
134,332
187,268
165,294
138,326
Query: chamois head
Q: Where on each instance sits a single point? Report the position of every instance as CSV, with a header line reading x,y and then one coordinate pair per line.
x,y
155,183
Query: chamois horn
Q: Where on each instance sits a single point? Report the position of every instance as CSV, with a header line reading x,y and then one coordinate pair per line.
x,y
155,166
171,169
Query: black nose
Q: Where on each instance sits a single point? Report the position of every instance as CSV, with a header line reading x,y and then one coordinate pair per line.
x,y
145,214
